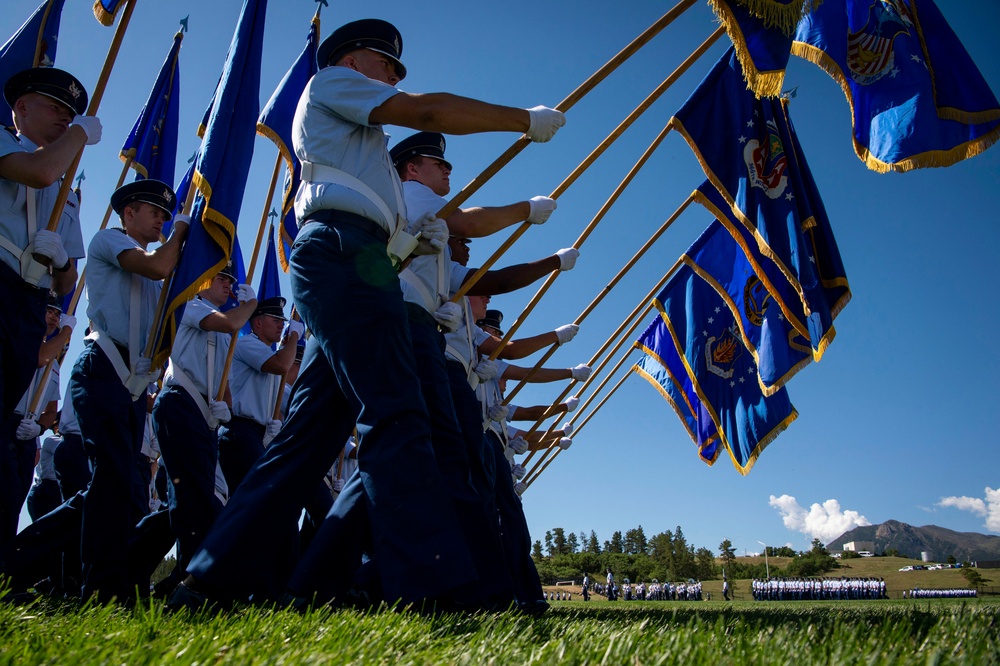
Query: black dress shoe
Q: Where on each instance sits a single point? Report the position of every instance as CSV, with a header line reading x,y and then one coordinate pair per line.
x,y
189,598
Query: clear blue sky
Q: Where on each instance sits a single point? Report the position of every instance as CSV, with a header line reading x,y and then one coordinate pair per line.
x,y
898,414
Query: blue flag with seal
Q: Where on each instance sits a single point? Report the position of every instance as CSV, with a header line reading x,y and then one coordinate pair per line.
x,y
663,369
33,45
778,349
745,149
917,98
220,171
275,123
152,143
105,10
721,369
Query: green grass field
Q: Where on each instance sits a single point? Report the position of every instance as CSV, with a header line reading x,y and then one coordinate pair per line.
x,y
885,632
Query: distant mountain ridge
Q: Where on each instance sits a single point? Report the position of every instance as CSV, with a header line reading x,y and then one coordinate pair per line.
x,y
910,541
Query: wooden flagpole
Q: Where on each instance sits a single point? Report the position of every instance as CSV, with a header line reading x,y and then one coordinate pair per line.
x,y
588,161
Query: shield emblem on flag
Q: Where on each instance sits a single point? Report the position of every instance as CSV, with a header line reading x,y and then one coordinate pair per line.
x,y
869,50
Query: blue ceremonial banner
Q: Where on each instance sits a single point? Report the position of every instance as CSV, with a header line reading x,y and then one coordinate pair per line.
x,y
737,138
33,45
777,348
105,10
275,123
721,369
269,285
917,98
663,369
152,143
181,191
220,171
763,48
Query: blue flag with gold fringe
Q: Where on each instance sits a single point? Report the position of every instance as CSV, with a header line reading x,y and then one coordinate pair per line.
x,y
33,45
105,10
152,143
663,369
275,123
917,98
220,171
761,44
721,369
778,349
752,158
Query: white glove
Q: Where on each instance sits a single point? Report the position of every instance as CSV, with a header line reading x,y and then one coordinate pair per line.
x,y
67,320
567,258
271,429
543,123
220,410
517,469
431,233
143,366
27,430
49,244
520,487
245,293
92,126
571,403
338,486
518,444
567,332
567,428
581,372
497,412
293,326
565,443
541,208
487,369
181,219
449,316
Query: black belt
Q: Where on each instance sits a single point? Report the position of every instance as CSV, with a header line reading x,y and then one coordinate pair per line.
x,y
343,218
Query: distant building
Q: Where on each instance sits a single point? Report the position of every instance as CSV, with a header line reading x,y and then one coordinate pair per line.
x,y
858,546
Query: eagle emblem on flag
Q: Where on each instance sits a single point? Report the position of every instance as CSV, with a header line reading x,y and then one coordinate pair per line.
x,y
869,51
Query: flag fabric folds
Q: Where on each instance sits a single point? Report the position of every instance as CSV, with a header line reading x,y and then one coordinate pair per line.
x,y
220,171
750,155
269,285
105,10
778,349
33,45
917,98
662,367
762,47
721,370
275,123
152,143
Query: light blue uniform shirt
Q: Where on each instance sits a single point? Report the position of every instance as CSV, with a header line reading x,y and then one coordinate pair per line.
x,y
331,127
421,199
254,391
67,417
51,391
14,210
190,352
109,289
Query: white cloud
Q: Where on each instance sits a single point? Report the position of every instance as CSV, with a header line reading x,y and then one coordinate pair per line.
x,y
988,508
824,521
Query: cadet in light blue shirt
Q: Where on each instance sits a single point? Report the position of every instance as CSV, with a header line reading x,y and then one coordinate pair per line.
x,y
109,380
256,385
187,414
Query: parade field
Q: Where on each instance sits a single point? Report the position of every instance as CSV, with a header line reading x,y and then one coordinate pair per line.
x,y
874,632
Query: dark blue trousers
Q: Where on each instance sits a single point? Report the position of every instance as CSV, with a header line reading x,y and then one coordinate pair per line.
x,y
112,426
190,451
17,464
43,497
21,331
241,444
514,528
358,369
72,465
